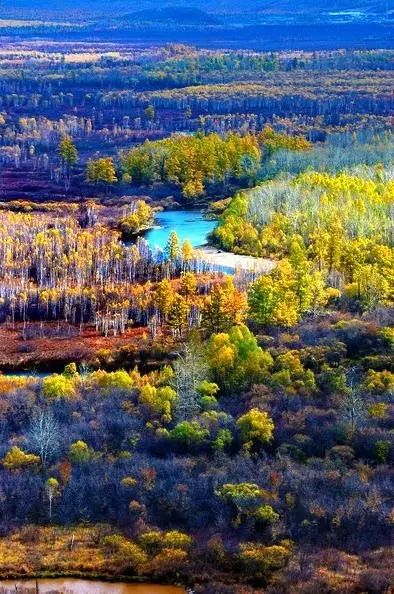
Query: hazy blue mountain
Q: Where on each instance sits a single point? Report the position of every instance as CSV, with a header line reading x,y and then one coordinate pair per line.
x,y
219,6
253,24
173,14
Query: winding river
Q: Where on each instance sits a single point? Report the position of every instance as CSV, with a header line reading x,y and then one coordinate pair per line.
x,y
76,586
191,225
188,225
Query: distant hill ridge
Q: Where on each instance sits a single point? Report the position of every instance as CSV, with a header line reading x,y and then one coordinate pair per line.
x,y
159,7
181,15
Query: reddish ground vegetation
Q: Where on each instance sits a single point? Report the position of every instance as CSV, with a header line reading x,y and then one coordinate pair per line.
x,y
52,346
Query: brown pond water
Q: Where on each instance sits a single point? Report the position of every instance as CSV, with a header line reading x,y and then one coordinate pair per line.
x,y
74,586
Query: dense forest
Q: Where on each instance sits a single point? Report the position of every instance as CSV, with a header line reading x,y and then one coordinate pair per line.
x,y
212,412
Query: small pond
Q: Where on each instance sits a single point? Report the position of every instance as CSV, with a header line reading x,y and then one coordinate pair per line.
x,y
76,586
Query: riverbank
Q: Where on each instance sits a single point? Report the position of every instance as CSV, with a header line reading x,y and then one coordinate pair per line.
x,y
229,261
83,585
89,553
